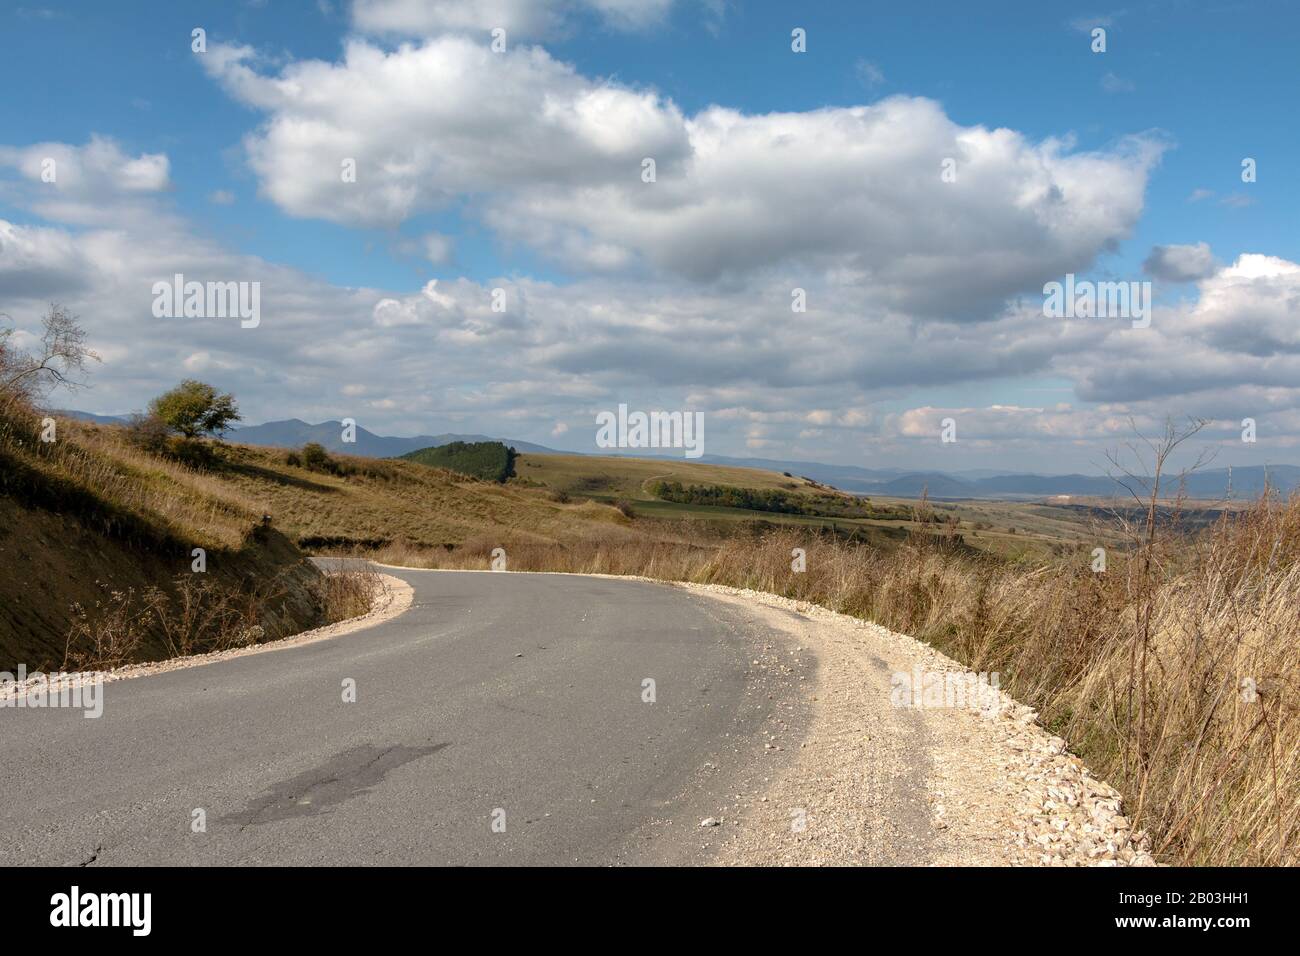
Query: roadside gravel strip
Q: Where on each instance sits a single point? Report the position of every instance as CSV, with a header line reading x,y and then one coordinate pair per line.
x,y
395,597
999,789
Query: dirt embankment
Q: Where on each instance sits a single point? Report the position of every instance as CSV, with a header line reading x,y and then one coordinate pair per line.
x,y
392,597
51,561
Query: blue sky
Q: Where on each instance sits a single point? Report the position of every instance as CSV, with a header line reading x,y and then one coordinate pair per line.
x,y
1203,85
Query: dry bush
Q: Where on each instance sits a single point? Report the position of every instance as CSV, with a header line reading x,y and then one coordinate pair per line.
x,y
200,616
203,615
109,634
347,593
148,434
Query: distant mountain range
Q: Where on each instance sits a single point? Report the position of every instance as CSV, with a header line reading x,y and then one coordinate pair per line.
x,y
294,433
988,483
896,482
1246,482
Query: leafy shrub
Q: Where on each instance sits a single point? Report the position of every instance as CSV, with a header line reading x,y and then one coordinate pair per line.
x,y
149,434
316,458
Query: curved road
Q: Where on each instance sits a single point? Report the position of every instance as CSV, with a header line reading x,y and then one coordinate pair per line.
x,y
519,693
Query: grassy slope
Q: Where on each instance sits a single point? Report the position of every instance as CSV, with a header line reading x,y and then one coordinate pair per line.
x,y
614,476
87,515
388,500
617,478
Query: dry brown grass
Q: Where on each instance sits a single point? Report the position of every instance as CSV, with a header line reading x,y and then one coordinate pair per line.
x,y
348,592
378,502
97,470
1209,768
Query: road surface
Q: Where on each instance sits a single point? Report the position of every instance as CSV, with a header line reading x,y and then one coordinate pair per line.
x,y
496,698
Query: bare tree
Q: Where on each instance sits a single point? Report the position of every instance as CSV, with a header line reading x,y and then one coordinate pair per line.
x,y
58,361
1153,454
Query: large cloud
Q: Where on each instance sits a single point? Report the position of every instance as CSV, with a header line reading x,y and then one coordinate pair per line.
x,y
1239,337
427,125
97,183
522,18
554,159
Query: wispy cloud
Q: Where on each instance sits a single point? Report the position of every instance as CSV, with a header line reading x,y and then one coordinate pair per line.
x,y
1116,84
1086,24
869,74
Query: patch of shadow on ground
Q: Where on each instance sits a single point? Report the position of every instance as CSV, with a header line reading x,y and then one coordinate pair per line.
x,y
344,776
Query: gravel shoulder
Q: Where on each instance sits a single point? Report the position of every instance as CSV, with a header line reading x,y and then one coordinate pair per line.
x,y
876,783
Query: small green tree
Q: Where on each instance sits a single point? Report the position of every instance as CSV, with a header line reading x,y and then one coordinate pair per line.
x,y
315,457
195,408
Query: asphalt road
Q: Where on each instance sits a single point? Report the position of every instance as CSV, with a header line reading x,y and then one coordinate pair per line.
x,y
495,697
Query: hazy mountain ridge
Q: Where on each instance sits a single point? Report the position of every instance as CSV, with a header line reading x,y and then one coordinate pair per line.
x,y
1246,482
294,432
